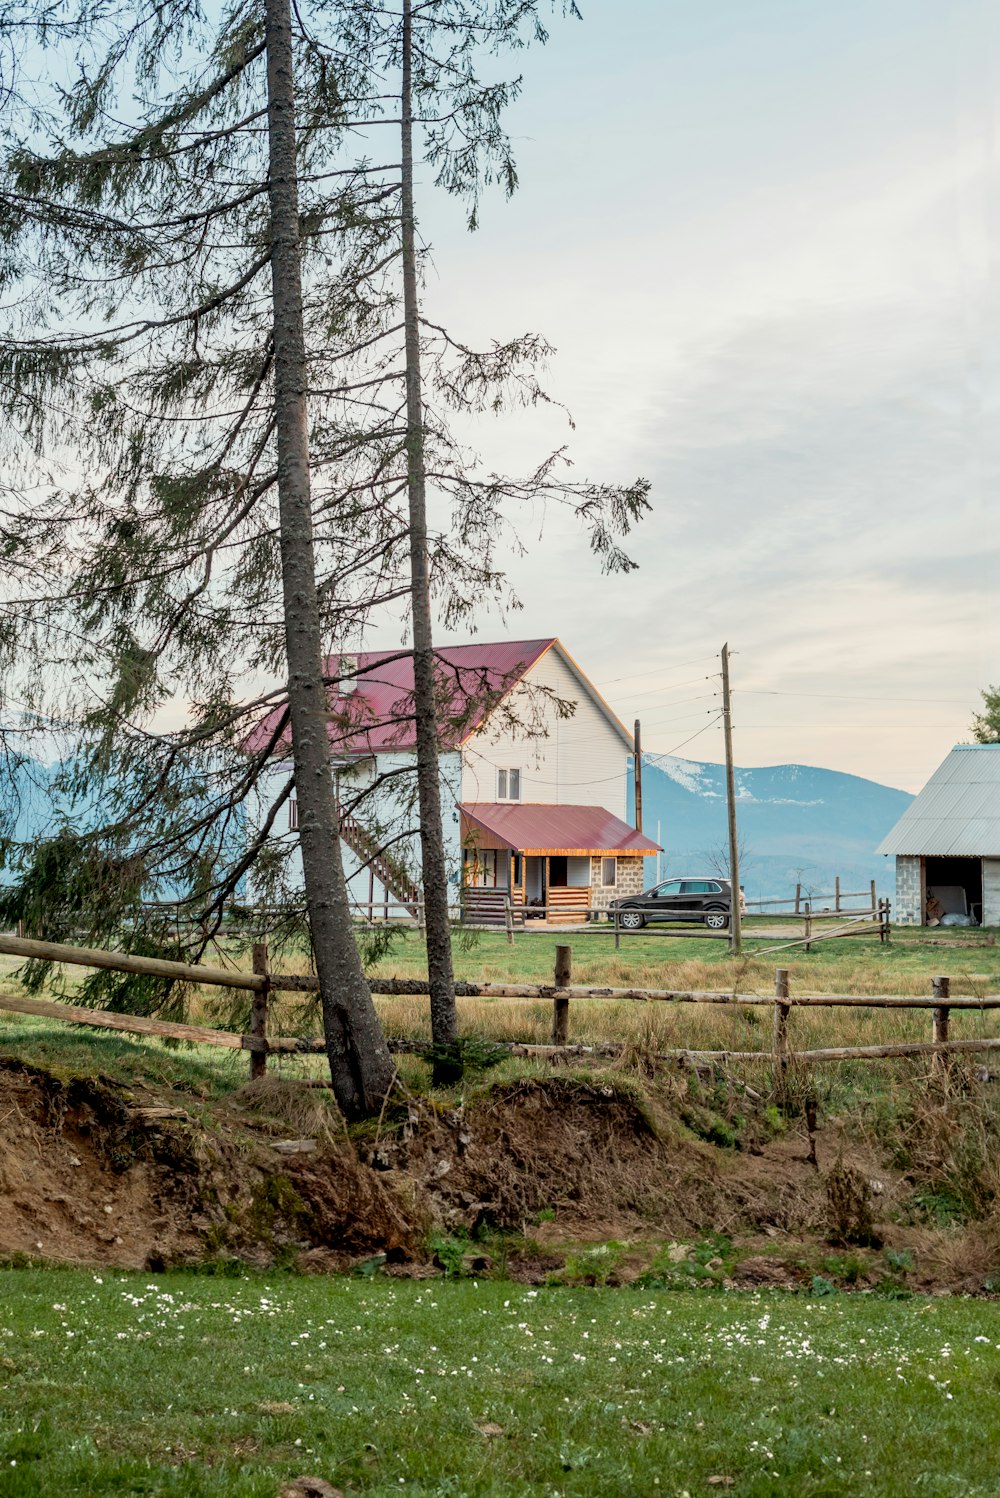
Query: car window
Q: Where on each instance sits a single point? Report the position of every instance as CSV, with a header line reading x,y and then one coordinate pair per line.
x,y
695,887
672,887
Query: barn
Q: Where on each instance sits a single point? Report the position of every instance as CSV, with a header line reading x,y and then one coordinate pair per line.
x,y
947,843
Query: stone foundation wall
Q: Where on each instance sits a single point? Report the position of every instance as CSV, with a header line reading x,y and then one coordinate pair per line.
x,y
630,880
908,906
991,891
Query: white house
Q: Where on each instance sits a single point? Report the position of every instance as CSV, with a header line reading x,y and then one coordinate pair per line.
x,y
947,842
534,768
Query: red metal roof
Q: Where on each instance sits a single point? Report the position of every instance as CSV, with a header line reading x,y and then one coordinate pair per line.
x,y
378,713
532,828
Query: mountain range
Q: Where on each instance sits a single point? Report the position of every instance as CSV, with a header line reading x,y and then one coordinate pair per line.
x,y
797,824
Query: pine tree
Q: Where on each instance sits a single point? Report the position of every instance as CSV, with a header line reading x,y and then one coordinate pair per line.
x,y
986,725
206,424
172,510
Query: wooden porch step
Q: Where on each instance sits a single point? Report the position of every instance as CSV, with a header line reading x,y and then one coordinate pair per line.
x,y
568,904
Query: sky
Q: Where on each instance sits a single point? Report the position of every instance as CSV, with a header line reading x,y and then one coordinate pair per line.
x,y
763,236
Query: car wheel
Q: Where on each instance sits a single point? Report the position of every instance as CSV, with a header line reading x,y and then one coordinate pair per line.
x,y
631,920
716,920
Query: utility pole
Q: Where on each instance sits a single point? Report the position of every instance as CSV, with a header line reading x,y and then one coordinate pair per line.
x,y
735,936
638,778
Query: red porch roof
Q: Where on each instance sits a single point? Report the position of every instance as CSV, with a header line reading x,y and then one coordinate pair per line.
x,y
532,828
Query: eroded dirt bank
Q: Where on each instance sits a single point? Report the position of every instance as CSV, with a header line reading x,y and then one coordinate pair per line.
x,y
95,1173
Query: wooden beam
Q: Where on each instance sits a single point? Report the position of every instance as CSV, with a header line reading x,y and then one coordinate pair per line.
x,y
831,1053
139,1025
124,962
134,1024
418,987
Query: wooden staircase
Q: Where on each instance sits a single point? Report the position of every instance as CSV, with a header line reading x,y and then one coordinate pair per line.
x,y
387,870
488,907
568,904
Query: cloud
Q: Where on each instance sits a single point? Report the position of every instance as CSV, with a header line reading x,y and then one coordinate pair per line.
x,y
784,310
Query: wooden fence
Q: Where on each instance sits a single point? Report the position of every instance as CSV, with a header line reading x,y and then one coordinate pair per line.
x,y
838,896
263,982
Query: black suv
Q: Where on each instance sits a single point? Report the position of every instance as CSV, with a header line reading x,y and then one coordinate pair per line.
x,y
706,899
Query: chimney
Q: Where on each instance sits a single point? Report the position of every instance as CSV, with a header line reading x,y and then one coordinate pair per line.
x,y
348,680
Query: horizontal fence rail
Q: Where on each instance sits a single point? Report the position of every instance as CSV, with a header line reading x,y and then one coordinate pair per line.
x,y
263,982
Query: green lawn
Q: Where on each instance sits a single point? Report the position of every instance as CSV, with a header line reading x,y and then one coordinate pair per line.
x,y
664,958
853,966
181,1385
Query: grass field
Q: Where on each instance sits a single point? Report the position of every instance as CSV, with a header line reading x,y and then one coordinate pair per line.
x,y
181,1385
849,965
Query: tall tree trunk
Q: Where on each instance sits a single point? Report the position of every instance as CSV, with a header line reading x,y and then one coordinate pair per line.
x,y
444,1020
361,1068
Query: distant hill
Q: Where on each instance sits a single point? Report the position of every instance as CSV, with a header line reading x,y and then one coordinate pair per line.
x,y
28,799
797,823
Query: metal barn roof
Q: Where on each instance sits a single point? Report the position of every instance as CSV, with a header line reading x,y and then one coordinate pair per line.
x,y
958,811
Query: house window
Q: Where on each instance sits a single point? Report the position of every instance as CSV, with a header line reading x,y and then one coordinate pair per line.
x,y
609,871
508,785
293,814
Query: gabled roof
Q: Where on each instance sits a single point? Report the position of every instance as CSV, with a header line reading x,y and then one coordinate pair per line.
x,y
377,715
958,811
527,827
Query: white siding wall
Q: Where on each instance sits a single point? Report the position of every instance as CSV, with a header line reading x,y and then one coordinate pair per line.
x,y
392,807
389,808
256,808
576,761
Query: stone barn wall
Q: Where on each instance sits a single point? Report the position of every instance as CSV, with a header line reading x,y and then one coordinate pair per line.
x,y
908,908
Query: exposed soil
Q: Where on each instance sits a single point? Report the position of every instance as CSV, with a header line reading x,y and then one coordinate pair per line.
x,y
88,1176
94,1173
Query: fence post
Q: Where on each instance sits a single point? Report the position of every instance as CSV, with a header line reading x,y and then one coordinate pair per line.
x,y
941,988
560,1005
836,893
807,931
258,1011
798,897
508,917
781,1023
618,938
873,894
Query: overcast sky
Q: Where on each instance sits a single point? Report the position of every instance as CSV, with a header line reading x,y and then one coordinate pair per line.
x,y
763,236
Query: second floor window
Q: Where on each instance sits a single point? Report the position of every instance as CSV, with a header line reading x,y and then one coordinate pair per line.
x,y
293,813
508,785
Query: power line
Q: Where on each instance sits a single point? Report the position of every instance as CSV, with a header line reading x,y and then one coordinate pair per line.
x,y
849,697
656,691
655,671
715,722
683,718
844,723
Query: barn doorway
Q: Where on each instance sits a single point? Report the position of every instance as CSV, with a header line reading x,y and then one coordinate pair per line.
x,y
956,884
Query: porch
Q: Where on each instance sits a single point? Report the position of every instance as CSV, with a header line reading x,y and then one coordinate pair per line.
x,y
556,864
